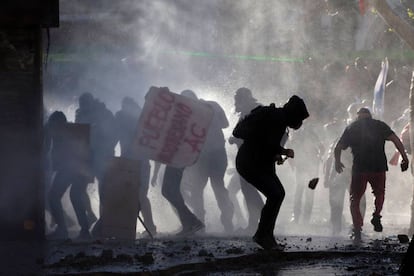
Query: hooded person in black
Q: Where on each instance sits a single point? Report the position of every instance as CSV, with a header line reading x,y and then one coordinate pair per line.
x,y
262,131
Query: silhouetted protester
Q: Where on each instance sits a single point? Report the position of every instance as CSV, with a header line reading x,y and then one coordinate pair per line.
x,y
171,190
405,138
366,137
103,138
49,173
68,172
244,102
262,132
126,121
211,165
309,151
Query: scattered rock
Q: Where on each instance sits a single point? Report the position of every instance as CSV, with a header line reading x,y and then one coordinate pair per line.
x,y
403,238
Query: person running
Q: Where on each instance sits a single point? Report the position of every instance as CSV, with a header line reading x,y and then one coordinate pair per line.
x,y
171,191
366,137
210,166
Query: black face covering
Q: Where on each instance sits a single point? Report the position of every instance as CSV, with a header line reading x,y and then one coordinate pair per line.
x,y
296,125
296,111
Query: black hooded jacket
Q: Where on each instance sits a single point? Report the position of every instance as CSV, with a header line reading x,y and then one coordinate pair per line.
x,y
263,129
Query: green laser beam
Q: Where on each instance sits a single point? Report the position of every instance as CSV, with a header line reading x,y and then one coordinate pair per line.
x,y
377,54
241,57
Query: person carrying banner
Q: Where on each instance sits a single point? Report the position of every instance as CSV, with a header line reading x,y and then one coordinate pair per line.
x,y
171,190
366,137
210,166
262,132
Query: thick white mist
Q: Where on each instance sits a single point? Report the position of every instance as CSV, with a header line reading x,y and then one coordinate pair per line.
x,y
214,47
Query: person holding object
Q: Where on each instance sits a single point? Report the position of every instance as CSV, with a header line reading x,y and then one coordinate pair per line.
x,y
262,131
366,137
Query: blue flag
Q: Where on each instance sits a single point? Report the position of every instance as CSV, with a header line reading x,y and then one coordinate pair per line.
x,y
379,90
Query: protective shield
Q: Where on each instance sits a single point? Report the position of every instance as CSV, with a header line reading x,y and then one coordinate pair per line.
x,y
120,203
172,129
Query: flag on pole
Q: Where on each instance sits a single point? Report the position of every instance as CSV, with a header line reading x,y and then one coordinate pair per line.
x,y
379,90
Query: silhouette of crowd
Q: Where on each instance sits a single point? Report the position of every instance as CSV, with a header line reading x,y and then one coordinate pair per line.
x,y
79,154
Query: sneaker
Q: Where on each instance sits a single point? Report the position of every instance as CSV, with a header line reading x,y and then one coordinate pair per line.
x,y
276,245
376,221
267,242
356,235
192,229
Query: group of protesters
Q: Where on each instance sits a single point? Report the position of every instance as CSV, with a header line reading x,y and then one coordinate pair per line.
x,y
105,131
260,135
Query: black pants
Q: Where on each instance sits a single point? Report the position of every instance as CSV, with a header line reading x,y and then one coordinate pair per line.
x,y
254,202
61,183
261,173
171,190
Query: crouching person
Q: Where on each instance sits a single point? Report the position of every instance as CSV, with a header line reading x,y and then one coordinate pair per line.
x,y
262,132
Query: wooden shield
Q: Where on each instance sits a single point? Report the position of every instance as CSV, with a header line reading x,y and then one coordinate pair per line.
x,y
120,203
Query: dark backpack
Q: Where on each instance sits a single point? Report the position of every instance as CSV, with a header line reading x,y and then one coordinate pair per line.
x,y
253,125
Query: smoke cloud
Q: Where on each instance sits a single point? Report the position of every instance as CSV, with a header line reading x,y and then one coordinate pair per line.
x,y
275,48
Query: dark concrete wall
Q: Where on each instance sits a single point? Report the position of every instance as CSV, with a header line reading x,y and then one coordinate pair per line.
x,y
21,181
34,12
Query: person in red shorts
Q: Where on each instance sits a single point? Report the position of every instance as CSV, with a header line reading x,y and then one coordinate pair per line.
x,y
366,137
